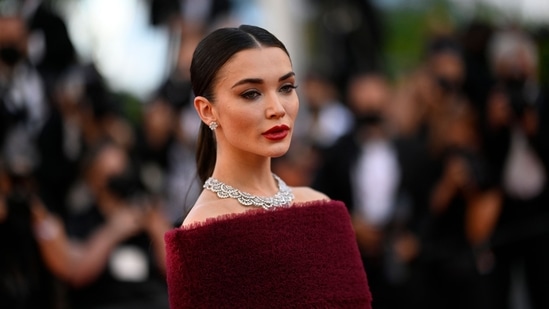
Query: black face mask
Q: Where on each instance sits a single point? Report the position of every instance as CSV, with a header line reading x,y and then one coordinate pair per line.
x,y
514,83
448,85
10,55
514,87
368,119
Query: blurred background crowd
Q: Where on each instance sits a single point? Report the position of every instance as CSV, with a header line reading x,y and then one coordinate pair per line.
x,y
429,120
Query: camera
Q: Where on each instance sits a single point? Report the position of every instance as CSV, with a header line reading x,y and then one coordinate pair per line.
x,y
520,94
126,186
477,168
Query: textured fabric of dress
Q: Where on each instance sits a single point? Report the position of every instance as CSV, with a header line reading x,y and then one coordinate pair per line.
x,y
304,256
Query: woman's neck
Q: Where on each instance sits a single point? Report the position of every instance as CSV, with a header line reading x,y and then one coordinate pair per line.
x,y
250,174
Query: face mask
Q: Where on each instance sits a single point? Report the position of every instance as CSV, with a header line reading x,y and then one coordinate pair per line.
x,y
448,85
10,55
514,83
515,91
371,118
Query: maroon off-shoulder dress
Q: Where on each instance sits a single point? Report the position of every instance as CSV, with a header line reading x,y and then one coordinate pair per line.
x,y
304,256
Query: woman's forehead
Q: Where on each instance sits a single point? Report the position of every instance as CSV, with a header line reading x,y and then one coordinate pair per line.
x,y
260,62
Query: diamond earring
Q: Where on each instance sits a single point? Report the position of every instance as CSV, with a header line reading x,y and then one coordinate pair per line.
x,y
213,125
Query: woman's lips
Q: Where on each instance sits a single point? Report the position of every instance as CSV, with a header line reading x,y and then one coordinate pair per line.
x,y
277,132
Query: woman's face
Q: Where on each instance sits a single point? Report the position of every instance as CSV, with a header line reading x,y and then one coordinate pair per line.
x,y
256,102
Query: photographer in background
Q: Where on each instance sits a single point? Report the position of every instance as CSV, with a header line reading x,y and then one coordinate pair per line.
x,y
26,281
112,253
517,143
463,210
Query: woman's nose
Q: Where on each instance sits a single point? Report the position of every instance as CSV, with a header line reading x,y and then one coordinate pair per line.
x,y
274,108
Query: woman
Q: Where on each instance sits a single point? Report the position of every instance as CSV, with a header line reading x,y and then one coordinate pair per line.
x,y
250,241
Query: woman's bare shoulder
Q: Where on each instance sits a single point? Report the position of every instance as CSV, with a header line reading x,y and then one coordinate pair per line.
x,y
307,194
205,209
198,213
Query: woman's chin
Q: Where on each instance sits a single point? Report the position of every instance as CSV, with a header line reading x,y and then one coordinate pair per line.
x,y
276,153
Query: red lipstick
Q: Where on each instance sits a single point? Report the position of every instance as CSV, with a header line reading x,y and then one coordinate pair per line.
x,y
277,133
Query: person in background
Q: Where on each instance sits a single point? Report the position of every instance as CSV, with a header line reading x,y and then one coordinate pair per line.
x,y
111,251
449,179
164,159
61,143
250,240
421,103
26,280
327,117
465,203
83,114
23,102
363,169
50,48
517,145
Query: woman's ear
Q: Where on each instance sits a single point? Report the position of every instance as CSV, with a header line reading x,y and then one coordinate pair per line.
x,y
205,109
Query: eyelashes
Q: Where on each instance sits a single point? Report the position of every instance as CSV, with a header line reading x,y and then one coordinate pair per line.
x,y
250,95
288,88
254,94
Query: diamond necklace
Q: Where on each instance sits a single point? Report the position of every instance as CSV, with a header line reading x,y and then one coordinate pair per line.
x,y
282,198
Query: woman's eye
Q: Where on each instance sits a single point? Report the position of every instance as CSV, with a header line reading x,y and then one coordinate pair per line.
x,y
250,95
288,88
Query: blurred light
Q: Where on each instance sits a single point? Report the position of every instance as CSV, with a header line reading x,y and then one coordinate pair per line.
x,y
117,37
528,11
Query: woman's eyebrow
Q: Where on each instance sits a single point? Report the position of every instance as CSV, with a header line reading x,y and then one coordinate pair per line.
x,y
286,76
260,81
248,81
